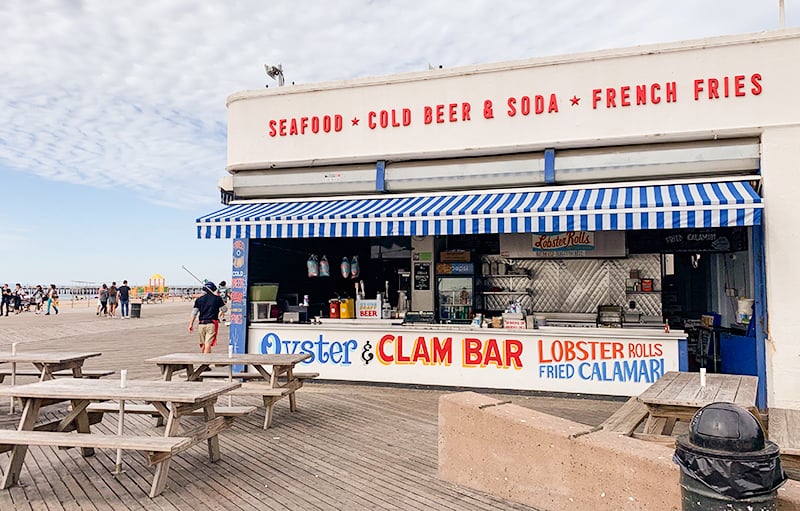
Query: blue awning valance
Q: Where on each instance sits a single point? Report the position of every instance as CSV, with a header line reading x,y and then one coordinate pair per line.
x,y
611,208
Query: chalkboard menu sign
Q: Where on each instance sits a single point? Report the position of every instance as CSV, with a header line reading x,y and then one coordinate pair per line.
x,y
422,276
673,241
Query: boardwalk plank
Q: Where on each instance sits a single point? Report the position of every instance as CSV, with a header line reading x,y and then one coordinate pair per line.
x,y
51,483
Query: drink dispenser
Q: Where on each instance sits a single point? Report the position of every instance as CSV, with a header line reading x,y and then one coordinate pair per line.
x,y
403,290
333,308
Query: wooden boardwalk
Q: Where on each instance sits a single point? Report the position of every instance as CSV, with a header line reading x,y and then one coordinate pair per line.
x,y
348,447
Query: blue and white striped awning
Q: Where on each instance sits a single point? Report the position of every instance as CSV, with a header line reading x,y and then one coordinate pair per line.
x,y
628,207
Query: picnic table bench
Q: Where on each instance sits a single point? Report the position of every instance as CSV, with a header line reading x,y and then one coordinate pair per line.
x,y
173,400
627,418
150,409
277,371
47,363
677,396
157,449
85,373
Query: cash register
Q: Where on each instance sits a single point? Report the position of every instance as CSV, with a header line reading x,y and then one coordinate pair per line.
x,y
610,316
419,317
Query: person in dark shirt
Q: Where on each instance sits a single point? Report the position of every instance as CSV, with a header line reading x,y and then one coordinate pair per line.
x,y
19,294
6,299
206,310
124,299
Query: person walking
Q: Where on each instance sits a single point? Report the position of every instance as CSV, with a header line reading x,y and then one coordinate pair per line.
x,y
19,294
99,304
52,299
38,298
124,293
102,294
5,300
206,310
112,300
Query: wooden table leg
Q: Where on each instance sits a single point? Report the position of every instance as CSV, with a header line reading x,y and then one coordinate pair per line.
x,y
30,412
77,370
213,441
269,401
45,373
654,425
162,469
82,426
669,425
196,374
290,382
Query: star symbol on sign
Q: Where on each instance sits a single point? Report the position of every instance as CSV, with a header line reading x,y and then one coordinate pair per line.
x,y
575,100
355,121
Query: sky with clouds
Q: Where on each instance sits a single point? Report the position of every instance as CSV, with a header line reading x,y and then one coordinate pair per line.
x,y
113,120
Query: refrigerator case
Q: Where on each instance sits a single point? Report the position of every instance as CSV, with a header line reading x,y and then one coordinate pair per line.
x,y
455,298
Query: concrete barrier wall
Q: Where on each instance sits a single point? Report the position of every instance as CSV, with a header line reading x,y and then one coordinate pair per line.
x,y
552,463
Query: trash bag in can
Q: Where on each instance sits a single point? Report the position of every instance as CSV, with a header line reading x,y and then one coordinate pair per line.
x,y
726,451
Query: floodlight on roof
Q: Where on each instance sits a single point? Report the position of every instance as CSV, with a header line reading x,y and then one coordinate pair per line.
x,y
275,72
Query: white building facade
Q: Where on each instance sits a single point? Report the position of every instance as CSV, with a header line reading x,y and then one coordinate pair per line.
x,y
655,118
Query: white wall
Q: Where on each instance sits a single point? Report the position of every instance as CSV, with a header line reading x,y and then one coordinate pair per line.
x,y
780,162
768,58
768,104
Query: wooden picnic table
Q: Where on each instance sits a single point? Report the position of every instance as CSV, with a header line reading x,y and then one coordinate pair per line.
x,y
271,367
172,399
51,361
678,395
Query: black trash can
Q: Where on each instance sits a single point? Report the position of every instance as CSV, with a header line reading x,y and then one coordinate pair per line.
x,y
136,310
726,463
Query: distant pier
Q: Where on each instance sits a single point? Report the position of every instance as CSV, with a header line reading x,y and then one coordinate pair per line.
x,y
90,292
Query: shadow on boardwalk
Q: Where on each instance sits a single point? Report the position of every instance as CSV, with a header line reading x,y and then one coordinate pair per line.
x,y
348,446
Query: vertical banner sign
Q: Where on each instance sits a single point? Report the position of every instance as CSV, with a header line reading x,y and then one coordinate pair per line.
x,y
238,303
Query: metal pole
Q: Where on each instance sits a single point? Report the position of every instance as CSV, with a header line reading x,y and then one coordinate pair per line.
x,y
120,427
123,382
11,409
230,373
782,15
193,275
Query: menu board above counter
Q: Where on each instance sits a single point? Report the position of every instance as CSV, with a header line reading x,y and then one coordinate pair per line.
x,y
674,241
563,245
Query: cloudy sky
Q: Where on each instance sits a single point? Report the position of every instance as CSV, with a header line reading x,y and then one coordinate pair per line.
x,y
112,113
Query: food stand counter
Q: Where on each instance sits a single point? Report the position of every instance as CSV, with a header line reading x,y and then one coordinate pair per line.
x,y
609,361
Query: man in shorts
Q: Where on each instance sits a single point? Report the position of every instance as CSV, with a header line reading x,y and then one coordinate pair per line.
x,y
206,310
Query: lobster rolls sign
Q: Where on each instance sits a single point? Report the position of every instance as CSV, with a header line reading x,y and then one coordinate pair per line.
x,y
563,244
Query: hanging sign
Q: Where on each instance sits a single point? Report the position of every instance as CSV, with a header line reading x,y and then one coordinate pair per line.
x,y
563,244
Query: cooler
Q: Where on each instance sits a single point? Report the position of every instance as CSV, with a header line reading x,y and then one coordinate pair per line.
x,y
333,308
347,308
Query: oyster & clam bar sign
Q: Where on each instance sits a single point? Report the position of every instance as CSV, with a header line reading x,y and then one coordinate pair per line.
x,y
563,244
